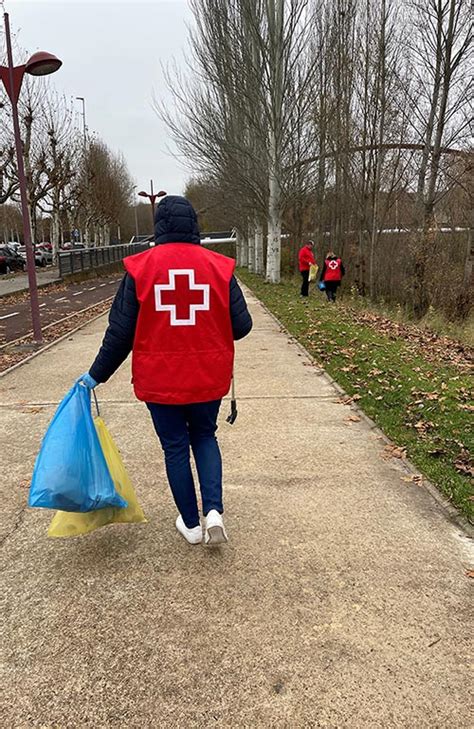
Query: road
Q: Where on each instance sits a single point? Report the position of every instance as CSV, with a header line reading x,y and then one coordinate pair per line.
x,y
15,318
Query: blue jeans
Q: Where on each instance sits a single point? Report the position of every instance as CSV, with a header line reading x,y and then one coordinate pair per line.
x,y
179,427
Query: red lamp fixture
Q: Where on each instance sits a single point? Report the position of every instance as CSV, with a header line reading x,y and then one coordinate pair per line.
x,y
42,63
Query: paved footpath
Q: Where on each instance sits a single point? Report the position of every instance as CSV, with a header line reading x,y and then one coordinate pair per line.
x,y
18,283
340,601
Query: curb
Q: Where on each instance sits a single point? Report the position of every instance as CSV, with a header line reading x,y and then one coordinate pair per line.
x,y
449,511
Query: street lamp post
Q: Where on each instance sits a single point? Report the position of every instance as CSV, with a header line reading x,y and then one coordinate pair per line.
x,y
152,198
135,213
39,64
84,125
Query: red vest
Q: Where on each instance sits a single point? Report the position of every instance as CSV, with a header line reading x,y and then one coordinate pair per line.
x,y
333,270
183,351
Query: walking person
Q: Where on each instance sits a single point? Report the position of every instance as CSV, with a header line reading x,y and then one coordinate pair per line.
x,y
178,310
331,275
306,260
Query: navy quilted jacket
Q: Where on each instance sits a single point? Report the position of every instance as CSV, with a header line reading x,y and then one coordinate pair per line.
x,y
175,221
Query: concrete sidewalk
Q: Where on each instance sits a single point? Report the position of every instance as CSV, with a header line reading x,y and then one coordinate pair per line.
x,y
17,284
340,601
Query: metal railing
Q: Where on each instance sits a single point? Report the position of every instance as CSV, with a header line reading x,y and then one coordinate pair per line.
x,y
85,259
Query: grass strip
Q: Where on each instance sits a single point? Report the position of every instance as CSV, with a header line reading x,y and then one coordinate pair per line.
x,y
425,407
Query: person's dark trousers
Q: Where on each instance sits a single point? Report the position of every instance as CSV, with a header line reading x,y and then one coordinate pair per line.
x,y
331,288
179,428
305,284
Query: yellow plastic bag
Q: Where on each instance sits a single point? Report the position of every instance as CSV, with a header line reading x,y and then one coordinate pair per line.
x,y
69,524
313,272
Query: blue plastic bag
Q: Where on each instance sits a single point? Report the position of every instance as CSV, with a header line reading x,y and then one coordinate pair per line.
x,y
71,472
321,286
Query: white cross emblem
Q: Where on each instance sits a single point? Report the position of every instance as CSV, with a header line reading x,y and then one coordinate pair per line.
x,y
173,308
333,265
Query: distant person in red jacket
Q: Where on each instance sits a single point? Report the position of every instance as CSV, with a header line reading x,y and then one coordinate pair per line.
x,y
305,260
331,275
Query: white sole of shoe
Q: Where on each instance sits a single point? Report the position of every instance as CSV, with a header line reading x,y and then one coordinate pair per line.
x,y
215,535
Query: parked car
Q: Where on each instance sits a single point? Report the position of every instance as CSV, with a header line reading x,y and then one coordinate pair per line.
x,y
68,246
10,260
42,255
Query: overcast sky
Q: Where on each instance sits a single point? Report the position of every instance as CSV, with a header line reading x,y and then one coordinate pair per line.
x,y
111,52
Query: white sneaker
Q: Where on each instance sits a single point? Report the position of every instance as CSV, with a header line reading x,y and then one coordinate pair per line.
x,y
193,536
215,531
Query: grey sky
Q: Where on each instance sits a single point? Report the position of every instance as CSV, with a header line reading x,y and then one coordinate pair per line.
x,y
111,53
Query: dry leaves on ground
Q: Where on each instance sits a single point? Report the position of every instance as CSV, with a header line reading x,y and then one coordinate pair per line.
x,y
347,399
10,357
352,419
393,451
464,463
423,426
436,348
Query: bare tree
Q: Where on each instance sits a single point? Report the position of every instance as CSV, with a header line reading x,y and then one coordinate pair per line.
x,y
442,50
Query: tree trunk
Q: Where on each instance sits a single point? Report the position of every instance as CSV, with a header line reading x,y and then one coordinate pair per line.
x,y
432,115
238,248
259,265
251,254
465,299
55,231
274,228
244,251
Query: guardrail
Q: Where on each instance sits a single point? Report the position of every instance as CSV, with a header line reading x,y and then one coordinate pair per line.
x,y
85,259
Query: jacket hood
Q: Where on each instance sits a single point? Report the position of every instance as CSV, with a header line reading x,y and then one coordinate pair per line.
x,y
176,221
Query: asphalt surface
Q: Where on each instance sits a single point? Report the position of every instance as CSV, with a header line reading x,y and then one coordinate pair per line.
x,y
341,599
15,316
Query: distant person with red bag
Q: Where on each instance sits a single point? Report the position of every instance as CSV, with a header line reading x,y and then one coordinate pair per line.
x,y
306,259
331,275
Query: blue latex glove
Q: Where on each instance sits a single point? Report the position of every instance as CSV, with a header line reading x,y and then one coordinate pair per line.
x,y
87,381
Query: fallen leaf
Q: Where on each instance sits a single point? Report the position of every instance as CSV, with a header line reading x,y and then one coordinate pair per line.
x,y
392,451
423,426
464,463
415,478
